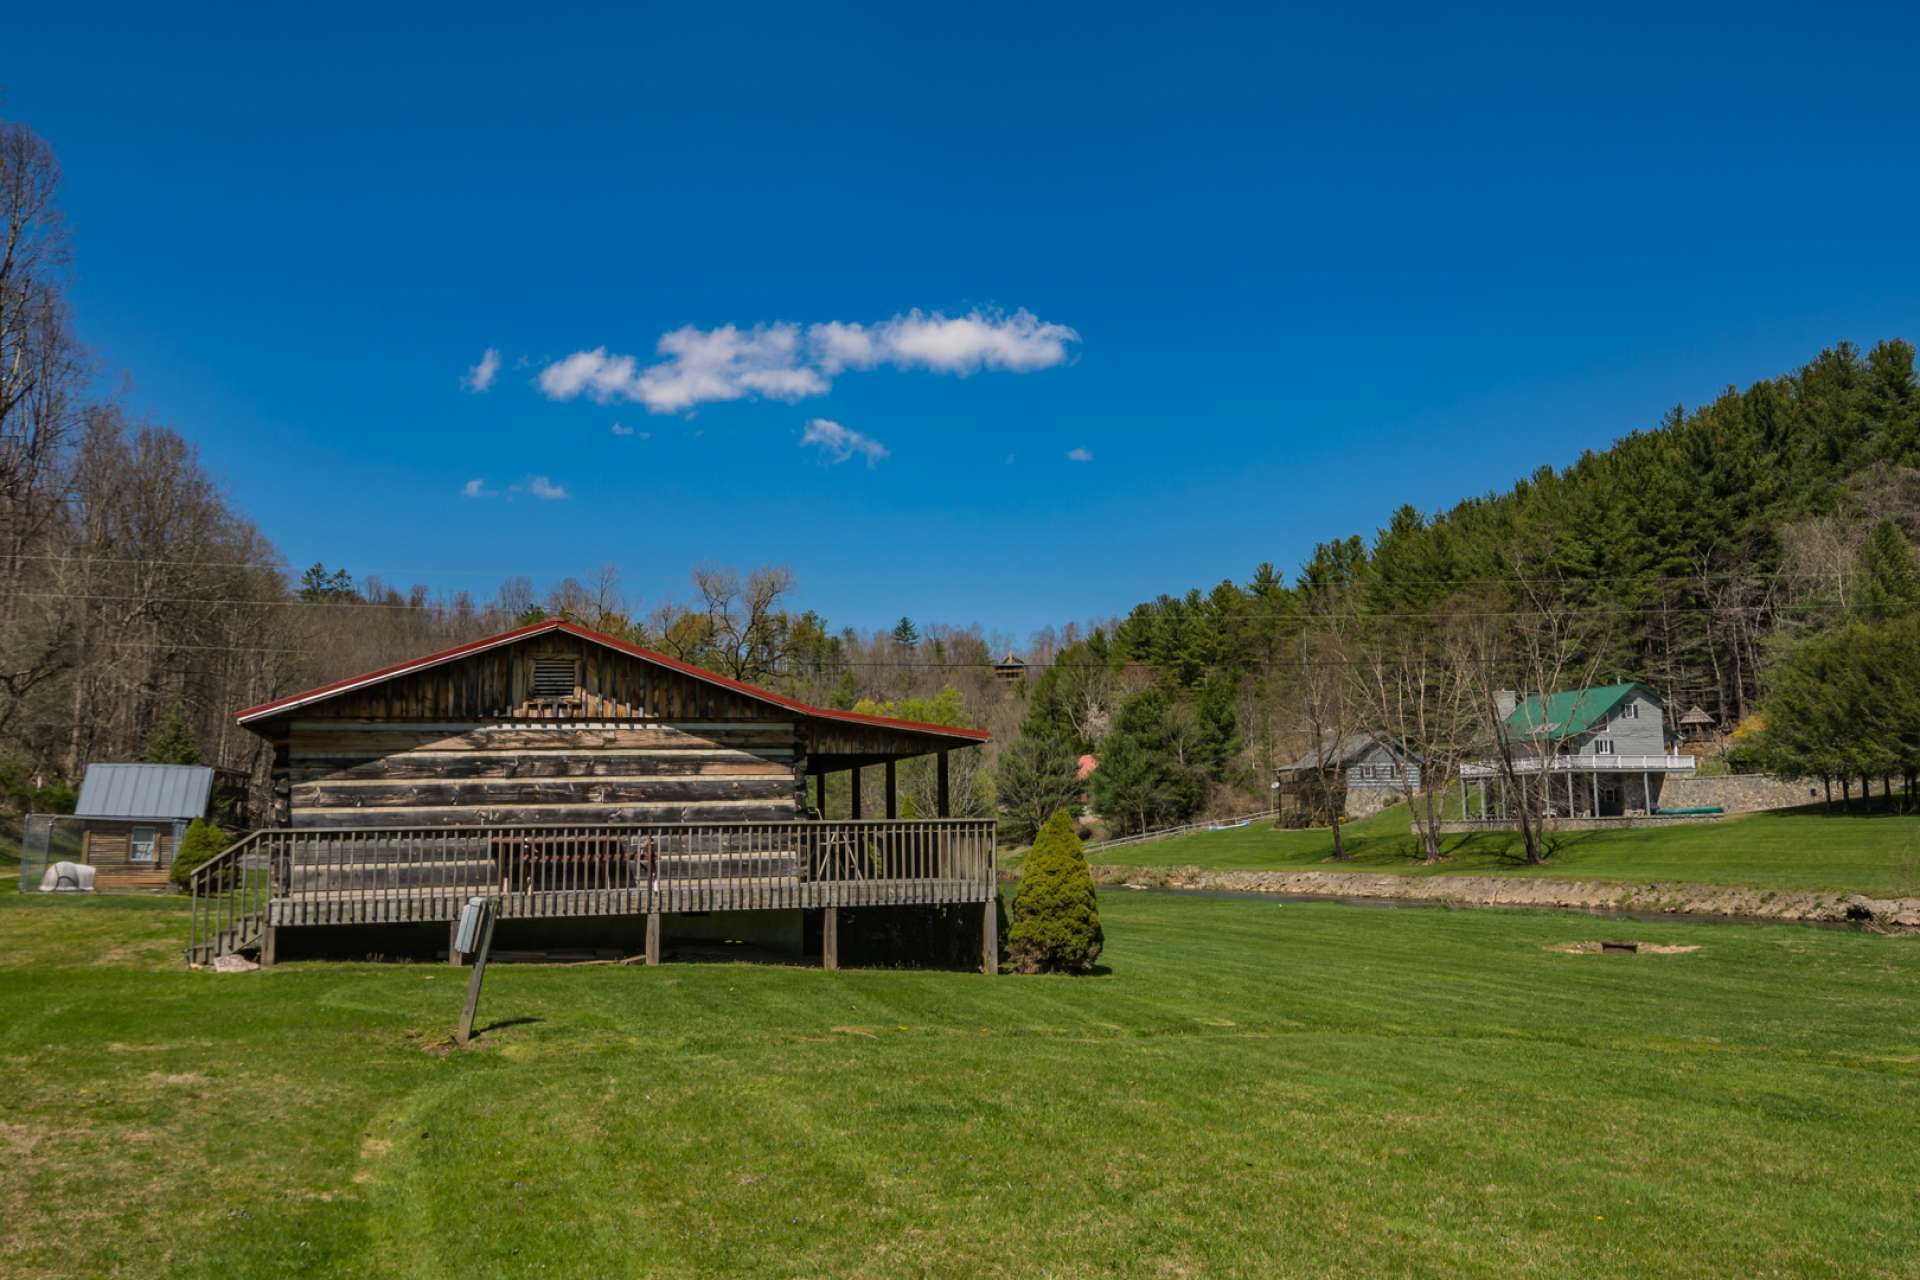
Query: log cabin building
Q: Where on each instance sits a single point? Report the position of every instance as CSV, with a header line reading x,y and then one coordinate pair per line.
x,y
567,773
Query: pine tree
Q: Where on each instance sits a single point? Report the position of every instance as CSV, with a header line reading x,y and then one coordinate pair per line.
x,y
1889,574
906,635
1038,776
1152,765
1056,913
317,586
172,740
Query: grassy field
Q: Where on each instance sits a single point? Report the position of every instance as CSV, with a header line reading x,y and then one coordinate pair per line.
x,y
1255,1089
1877,853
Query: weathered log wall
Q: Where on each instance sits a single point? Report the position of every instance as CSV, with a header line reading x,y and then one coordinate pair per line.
x,y
362,773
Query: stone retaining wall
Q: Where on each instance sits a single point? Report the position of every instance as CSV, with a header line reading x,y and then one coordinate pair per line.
x,y
1738,793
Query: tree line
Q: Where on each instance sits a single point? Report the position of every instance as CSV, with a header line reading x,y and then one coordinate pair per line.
x,y
1717,555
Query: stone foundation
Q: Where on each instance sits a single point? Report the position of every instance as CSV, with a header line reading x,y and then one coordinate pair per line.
x,y
1364,802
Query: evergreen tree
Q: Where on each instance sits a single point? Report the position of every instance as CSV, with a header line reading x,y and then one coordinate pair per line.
x,y
203,840
172,740
1889,574
906,635
317,586
1152,765
1056,913
1038,776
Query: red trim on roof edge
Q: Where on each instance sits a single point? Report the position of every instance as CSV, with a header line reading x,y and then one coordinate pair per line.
x,y
325,691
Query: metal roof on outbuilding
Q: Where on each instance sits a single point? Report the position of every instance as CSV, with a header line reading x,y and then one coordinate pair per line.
x,y
144,791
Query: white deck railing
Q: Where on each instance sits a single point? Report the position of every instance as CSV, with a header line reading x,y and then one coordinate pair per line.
x,y
1583,764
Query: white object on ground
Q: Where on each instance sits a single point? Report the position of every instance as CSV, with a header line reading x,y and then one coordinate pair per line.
x,y
67,877
233,964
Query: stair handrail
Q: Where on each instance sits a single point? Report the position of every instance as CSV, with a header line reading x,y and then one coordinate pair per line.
x,y
222,896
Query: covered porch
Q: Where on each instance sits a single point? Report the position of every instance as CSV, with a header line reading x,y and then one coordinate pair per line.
x,y
1588,787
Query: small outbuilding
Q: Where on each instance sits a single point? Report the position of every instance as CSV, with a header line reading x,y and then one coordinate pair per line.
x,y
132,817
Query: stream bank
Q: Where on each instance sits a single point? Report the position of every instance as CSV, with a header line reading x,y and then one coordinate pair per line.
x,y
1663,897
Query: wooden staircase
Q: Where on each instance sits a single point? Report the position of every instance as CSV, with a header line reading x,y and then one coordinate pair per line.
x,y
230,893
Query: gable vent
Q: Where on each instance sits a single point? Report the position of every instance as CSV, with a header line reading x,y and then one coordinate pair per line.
x,y
554,678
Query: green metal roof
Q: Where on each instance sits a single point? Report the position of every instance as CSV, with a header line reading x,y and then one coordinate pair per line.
x,y
1568,713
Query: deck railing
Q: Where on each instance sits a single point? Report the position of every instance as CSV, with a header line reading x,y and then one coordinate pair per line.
x,y
230,892
1583,764
380,874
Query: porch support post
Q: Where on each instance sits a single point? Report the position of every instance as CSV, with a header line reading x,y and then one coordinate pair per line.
x,y
893,790
268,939
1595,778
653,936
1569,786
453,933
854,778
820,792
830,938
943,803
1646,790
990,935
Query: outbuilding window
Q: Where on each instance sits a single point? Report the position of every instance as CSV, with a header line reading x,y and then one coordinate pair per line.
x,y
143,845
554,680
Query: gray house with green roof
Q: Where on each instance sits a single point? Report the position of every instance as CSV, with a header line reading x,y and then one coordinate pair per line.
x,y
1610,742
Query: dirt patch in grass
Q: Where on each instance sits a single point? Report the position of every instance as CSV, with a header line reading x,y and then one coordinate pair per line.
x,y
1639,948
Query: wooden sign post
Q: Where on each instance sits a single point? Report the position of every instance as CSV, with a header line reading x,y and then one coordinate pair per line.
x,y
484,927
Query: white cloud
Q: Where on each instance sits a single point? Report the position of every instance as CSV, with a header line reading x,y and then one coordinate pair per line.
x,y
594,373
622,431
842,442
481,376
1081,454
541,487
780,361
1019,343
477,488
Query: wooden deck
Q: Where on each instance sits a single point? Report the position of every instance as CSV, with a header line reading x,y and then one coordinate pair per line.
x,y
399,906
297,878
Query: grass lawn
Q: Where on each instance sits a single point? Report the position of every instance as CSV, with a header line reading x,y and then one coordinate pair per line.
x,y
1877,853
1255,1089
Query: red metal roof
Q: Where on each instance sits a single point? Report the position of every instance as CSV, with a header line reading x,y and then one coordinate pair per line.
x,y
325,691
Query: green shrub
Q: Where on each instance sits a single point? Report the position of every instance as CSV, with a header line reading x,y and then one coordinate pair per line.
x,y
1056,915
203,840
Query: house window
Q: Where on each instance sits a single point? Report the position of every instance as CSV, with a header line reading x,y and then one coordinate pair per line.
x,y
1603,746
554,680
1630,712
142,846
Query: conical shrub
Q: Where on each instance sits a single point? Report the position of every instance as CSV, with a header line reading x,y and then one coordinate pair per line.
x,y
1056,914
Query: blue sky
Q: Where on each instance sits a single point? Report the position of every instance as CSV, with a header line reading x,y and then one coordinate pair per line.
x,y
1273,272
